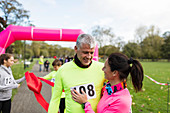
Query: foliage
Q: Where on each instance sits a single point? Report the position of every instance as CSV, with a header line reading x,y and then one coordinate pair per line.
x,y
64,52
41,48
108,49
18,47
151,47
3,24
166,46
54,50
140,34
28,53
14,13
103,35
36,48
132,49
150,42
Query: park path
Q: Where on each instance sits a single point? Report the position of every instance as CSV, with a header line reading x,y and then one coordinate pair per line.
x,y
25,102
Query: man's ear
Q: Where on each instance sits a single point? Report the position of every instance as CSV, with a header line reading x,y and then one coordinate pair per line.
x,y
75,48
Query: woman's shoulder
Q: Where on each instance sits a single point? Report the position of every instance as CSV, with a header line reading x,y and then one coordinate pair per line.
x,y
124,95
122,100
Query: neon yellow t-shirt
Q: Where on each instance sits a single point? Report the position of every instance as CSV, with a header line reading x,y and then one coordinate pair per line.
x,y
70,75
41,61
51,76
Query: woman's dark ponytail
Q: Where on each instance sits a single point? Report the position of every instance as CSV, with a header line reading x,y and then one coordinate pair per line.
x,y
136,72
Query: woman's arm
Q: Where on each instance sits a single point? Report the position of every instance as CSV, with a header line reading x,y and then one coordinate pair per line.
x,y
20,80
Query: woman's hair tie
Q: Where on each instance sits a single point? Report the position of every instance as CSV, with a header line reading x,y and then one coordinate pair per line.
x,y
130,61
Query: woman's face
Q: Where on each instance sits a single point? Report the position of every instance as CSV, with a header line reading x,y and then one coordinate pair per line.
x,y
107,71
9,62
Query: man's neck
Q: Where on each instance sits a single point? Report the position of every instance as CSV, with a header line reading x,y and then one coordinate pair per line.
x,y
78,63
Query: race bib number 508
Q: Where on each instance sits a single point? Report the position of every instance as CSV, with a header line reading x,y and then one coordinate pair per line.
x,y
89,89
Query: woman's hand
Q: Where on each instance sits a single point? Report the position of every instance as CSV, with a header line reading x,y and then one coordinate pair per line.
x,y
19,85
80,98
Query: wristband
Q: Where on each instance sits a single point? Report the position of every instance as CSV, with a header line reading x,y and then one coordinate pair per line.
x,y
83,105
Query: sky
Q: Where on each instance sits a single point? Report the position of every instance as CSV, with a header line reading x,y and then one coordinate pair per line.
x,y
123,16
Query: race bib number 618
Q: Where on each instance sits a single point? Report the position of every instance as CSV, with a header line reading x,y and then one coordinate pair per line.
x,y
89,89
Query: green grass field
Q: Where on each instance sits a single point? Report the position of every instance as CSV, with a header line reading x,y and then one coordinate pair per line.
x,y
153,99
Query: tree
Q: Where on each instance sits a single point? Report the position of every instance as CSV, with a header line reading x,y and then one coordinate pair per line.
x,y
120,43
166,46
151,45
14,13
36,48
107,50
66,52
17,47
3,24
54,50
28,54
103,36
44,47
140,33
132,49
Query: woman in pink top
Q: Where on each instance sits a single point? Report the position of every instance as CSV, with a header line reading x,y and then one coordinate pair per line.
x,y
115,96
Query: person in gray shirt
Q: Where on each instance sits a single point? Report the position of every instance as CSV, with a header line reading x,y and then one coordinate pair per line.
x,y
7,82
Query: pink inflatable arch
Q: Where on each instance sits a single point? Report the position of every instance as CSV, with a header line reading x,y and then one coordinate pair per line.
x,y
13,33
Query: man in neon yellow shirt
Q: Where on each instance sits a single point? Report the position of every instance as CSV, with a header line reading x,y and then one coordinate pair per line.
x,y
81,74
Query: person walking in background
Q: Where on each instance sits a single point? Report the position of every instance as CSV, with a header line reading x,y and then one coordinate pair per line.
x,y
115,95
41,61
61,59
7,82
51,76
81,72
46,65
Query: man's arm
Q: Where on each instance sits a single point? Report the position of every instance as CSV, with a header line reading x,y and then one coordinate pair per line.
x,y
57,91
49,76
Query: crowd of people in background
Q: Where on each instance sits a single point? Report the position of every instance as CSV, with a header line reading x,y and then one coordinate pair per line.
x,y
46,64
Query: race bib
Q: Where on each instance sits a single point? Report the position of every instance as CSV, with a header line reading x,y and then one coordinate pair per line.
x,y
89,89
7,80
53,80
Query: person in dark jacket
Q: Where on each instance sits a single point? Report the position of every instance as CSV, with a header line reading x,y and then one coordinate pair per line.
x,y
46,65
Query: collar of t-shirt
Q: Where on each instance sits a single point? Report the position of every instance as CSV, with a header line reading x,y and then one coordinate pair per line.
x,y
8,70
112,89
78,63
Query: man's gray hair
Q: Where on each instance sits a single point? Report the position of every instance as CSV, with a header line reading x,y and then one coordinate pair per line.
x,y
85,39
